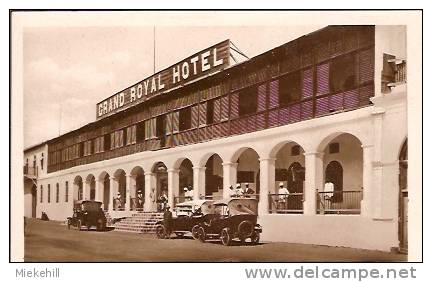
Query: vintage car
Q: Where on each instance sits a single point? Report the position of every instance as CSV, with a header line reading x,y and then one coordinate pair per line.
x,y
185,216
232,218
88,214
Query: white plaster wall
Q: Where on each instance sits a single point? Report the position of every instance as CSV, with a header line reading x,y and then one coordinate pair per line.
x,y
28,198
332,230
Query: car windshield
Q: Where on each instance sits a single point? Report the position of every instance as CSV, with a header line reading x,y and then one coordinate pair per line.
x,y
91,206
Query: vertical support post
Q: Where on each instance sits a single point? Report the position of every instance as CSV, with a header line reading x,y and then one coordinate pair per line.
x,y
128,188
173,185
150,191
198,181
267,180
111,193
229,177
313,181
98,189
368,154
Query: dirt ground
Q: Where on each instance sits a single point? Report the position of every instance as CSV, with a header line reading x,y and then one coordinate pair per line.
x,y
53,242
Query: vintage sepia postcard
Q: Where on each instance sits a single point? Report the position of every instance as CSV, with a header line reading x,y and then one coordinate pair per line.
x,y
216,136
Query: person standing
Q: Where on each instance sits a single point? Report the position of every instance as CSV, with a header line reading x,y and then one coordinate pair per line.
x,y
238,191
167,222
283,195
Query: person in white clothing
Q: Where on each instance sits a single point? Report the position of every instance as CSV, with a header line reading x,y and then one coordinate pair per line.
x,y
283,196
238,190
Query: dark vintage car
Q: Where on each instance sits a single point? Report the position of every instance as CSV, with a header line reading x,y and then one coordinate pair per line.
x,y
186,215
232,219
88,214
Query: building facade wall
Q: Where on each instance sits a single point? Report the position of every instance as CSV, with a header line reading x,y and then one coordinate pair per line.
x,y
370,137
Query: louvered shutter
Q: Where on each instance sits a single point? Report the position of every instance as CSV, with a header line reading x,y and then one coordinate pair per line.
x,y
307,85
262,97
194,116
224,107
112,141
366,65
216,111
234,105
323,79
274,94
168,124
202,113
175,122
133,134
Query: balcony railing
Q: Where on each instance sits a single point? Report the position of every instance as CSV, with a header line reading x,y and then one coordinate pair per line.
x,y
286,203
30,171
181,199
339,202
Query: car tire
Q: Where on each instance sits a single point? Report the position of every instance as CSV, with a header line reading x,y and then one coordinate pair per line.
x,y
79,224
225,237
245,229
201,235
195,232
255,237
100,225
160,232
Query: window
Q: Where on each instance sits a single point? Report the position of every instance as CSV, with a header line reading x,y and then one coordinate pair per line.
x,y
150,128
107,142
41,194
290,88
57,192
343,73
334,148
42,161
131,135
160,126
49,193
66,191
210,112
295,150
140,132
185,119
87,148
248,101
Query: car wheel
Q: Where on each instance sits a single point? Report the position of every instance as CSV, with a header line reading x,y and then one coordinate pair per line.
x,y
195,232
225,237
245,229
100,225
201,235
160,232
79,224
255,238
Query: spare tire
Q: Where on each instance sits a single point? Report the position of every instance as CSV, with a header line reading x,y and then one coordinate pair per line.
x,y
245,229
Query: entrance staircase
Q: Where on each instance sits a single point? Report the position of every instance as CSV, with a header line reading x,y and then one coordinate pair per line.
x,y
139,222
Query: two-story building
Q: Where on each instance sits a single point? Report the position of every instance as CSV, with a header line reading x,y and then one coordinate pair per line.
x,y
326,108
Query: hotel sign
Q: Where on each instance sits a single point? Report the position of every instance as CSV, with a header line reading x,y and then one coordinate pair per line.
x,y
195,67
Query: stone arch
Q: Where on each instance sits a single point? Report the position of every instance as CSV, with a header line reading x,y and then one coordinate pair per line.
x,y
119,189
248,168
104,189
137,188
326,140
78,188
91,187
213,176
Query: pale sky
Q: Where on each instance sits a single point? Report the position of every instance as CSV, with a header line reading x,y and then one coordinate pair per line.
x,y
67,70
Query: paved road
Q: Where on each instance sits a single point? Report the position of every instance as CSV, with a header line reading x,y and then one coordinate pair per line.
x,y
51,241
